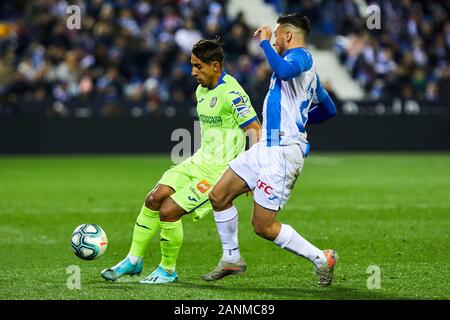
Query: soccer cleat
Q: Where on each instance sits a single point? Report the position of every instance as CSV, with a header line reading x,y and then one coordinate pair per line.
x,y
325,271
224,269
160,276
124,267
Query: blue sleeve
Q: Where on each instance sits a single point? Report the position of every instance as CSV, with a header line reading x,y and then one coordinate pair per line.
x,y
295,64
321,93
325,109
322,111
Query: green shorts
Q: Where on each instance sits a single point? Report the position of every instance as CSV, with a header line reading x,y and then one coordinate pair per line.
x,y
192,186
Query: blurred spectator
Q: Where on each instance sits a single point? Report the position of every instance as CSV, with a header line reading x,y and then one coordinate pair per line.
x,y
187,36
258,83
135,51
133,56
407,57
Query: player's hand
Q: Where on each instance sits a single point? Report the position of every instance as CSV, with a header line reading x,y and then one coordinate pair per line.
x,y
264,32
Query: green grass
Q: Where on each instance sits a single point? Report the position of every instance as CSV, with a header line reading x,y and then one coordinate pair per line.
x,y
388,210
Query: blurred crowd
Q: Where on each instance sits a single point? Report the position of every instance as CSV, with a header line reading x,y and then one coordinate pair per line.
x,y
132,57
408,57
128,56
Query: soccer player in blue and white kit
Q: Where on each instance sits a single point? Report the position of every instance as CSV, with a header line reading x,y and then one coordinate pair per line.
x,y
271,167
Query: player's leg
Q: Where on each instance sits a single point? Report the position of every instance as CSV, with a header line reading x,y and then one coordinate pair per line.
x,y
171,239
283,235
236,180
286,237
187,199
147,223
272,192
228,188
146,226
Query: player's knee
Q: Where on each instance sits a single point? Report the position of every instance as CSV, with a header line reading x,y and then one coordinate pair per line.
x,y
263,230
168,212
153,201
218,201
259,228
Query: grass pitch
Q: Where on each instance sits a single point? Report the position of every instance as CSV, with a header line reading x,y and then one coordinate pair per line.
x,y
391,211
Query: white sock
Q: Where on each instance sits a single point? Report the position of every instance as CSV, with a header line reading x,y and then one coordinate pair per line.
x,y
133,259
227,227
290,240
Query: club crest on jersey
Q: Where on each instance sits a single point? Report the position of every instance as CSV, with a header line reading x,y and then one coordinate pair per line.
x,y
203,186
213,102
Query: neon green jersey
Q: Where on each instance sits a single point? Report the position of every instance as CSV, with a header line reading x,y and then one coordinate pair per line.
x,y
223,111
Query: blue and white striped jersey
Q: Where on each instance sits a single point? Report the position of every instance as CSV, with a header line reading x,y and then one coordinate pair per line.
x,y
293,88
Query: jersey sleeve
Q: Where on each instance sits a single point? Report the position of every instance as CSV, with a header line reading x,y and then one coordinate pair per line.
x,y
291,66
324,107
241,108
320,94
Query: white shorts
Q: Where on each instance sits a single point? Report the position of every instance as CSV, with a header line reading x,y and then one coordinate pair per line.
x,y
270,172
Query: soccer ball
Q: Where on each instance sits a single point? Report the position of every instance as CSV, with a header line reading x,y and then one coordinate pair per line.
x,y
88,241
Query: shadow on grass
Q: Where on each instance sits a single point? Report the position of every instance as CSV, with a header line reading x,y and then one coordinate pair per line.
x,y
264,293
331,293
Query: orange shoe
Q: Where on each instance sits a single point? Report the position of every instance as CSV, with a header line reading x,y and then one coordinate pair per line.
x,y
325,271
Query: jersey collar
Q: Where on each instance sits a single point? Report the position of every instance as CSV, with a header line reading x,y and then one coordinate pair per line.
x,y
221,81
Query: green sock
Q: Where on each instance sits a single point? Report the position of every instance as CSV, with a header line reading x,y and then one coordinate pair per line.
x,y
171,240
146,226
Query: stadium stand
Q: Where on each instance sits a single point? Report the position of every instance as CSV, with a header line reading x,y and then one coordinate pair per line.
x,y
128,57
132,57
408,57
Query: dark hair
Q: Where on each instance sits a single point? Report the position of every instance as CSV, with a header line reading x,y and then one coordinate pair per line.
x,y
297,20
209,51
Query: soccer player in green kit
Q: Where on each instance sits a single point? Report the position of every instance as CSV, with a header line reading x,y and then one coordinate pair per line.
x,y
225,115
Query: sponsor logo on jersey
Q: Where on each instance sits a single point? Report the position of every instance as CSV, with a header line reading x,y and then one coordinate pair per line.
x,y
261,185
203,186
213,121
194,192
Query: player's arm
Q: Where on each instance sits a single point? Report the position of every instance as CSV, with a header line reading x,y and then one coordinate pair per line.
x,y
289,67
285,68
253,131
244,114
323,110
